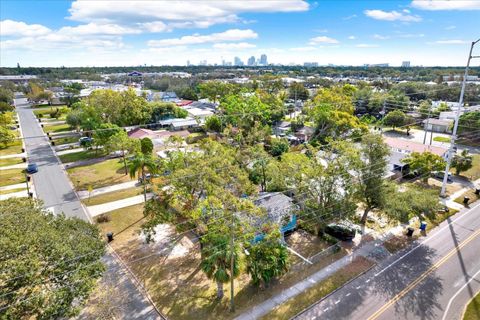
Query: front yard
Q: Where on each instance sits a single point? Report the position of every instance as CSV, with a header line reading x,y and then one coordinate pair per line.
x,y
113,196
56,128
98,175
11,176
12,148
81,155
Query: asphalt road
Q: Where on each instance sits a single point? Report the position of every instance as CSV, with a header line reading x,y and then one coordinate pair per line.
x,y
51,183
432,280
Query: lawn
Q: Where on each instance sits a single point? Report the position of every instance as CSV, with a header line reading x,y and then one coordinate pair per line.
x,y
113,196
57,128
10,161
81,155
66,140
441,139
474,172
12,190
308,297
470,194
11,176
98,175
124,223
472,312
12,148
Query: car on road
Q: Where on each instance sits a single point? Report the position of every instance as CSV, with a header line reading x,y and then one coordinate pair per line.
x,y
342,231
32,168
441,174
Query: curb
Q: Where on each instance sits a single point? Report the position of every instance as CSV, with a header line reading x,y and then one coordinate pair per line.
x,y
334,291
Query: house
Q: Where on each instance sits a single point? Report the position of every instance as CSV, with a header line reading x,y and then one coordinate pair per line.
x,y
198,113
179,124
164,96
304,134
140,133
283,128
407,147
437,125
395,165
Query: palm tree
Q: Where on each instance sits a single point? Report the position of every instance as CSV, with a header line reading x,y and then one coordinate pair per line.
x,y
216,259
138,165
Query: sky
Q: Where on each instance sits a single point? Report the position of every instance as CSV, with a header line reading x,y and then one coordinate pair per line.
x,y
154,32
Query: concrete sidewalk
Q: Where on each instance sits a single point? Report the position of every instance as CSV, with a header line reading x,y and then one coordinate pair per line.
x,y
13,186
449,201
19,194
116,187
114,205
16,155
59,153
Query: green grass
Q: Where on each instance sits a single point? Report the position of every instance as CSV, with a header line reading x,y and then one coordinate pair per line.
x,y
474,172
303,300
12,148
12,190
11,176
470,194
66,140
441,139
57,128
10,161
98,175
472,312
113,196
82,155
124,223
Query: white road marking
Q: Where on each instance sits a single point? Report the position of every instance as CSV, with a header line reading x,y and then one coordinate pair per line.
x,y
358,287
347,294
368,281
457,293
337,302
326,309
423,242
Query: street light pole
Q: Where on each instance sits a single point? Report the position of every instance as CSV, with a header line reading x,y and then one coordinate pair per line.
x,y
457,117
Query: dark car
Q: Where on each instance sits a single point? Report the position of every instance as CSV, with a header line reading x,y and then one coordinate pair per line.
x,y
341,231
32,168
148,177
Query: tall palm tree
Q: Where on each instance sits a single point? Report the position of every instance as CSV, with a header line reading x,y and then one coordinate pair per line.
x,y
138,166
216,259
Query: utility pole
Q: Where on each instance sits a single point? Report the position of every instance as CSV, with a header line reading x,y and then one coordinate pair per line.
x,y
457,117
232,262
26,181
426,126
383,116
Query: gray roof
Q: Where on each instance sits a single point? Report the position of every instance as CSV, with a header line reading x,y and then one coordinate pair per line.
x,y
438,122
276,204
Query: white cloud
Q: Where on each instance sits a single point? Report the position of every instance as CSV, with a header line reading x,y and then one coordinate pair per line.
x,y
177,14
349,17
392,16
234,46
323,39
453,41
155,26
450,27
229,35
411,35
94,28
380,37
352,37
446,4
366,45
19,28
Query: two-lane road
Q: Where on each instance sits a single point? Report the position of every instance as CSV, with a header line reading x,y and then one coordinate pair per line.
x,y
51,183
433,280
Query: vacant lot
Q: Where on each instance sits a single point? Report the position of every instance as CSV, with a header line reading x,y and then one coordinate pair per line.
x,y
82,155
98,175
11,176
56,128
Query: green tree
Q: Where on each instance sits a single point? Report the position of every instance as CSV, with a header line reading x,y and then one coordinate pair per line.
x,y
395,118
424,163
146,146
103,133
336,98
7,136
121,141
6,95
414,201
371,171
6,107
74,119
267,259
6,118
468,124
462,162
138,168
213,123
279,147
297,91
42,276
216,259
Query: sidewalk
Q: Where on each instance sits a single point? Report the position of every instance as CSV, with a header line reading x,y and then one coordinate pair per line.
x,y
19,194
15,166
17,155
116,187
13,186
59,153
449,201
114,205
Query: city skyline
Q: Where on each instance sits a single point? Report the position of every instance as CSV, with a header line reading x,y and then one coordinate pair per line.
x,y
110,33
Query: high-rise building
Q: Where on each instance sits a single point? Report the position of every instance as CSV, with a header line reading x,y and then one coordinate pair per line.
x,y
237,61
406,64
251,61
188,63
310,64
263,60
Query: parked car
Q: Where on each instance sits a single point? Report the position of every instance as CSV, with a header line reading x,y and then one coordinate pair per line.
x,y
341,231
32,168
441,174
148,177
85,141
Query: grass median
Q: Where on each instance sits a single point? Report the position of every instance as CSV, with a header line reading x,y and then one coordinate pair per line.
x,y
472,312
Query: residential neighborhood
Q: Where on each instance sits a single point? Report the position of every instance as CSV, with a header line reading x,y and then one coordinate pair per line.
x,y
256,190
